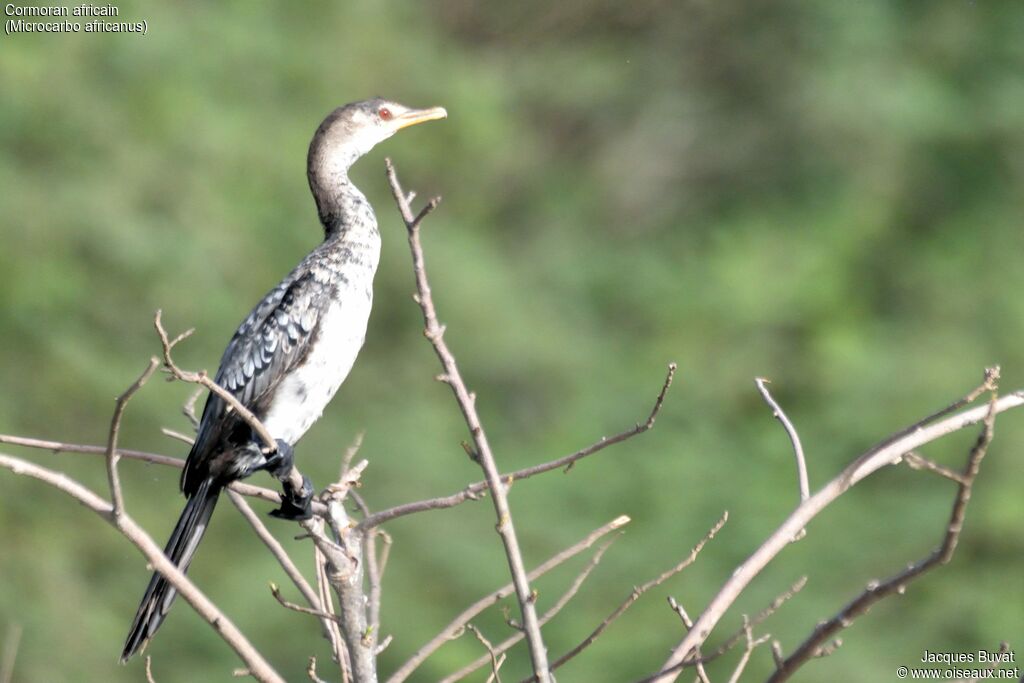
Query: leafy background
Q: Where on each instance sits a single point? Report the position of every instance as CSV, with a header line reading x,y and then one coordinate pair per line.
x,y
825,194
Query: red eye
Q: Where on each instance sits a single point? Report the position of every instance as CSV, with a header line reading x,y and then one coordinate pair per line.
x,y
384,113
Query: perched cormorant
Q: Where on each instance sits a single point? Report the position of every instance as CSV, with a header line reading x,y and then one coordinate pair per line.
x,y
292,352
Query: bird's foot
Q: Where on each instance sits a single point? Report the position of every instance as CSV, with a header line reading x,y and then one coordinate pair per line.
x,y
295,504
279,463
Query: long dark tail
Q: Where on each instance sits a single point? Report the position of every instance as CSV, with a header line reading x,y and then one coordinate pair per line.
x,y
180,548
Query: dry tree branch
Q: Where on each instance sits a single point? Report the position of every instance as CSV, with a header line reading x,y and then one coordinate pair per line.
x,y
258,666
638,591
278,551
275,590
745,657
887,452
311,671
794,437
699,661
154,458
496,659
202,378
460,621
115,429
557,607
877,591
342,566
476,490
702,674
434,332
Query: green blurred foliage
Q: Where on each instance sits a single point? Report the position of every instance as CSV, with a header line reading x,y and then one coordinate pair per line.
x,y
825,194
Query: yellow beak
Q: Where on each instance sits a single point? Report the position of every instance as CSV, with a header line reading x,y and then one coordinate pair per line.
x,y
414,116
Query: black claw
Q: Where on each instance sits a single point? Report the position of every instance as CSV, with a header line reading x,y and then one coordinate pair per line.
x,y
279,463
295,505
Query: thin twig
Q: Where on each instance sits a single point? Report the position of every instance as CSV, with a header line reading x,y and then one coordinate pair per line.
x,y
897,584
794,437
916,461
459,622
745,657
285,560
478,489
149,670
638,591
434,332
311,671
552,611
702,674
887,452
202,378
275,590
496,659
115,429
177,436
259,667
154,458
189,408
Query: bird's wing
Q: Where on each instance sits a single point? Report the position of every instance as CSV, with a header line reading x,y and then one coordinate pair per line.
x,y
270,342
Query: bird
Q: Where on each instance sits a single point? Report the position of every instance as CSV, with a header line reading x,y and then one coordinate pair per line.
x,y
291,353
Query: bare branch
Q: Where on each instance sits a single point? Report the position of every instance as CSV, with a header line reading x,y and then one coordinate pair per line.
x,y
702,674
62,447
640,590
202,378
275,590
258,666
311,671
189,408
496,659
477,490
115,430
794,437
505,527
493,598
343,567
278,551
154,458
916,461
559,605
745,657
887,452
876,591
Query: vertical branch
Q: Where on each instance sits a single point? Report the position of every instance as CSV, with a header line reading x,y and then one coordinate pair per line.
x,y
434,332
794,437
115,430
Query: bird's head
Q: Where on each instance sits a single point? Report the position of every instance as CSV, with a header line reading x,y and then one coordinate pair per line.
x,y
351,131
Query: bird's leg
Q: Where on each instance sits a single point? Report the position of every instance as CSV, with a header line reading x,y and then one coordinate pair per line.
x,y
296,504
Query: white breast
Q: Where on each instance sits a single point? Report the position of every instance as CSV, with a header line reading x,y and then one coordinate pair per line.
x,y
301,397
